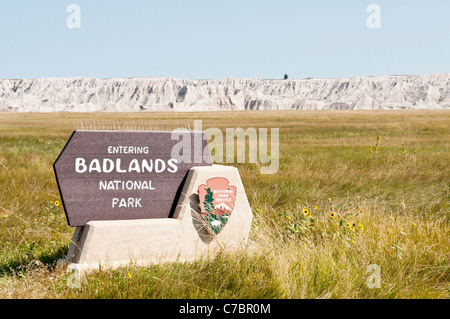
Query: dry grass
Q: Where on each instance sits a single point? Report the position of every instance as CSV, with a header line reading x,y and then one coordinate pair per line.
x,y
395,186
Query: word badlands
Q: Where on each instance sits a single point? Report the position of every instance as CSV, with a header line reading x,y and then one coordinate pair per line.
x,y
108,165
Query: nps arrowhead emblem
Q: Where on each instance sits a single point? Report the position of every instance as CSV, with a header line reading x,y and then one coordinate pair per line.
x,y
216,199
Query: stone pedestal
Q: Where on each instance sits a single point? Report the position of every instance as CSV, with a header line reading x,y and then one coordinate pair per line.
x,y
181,238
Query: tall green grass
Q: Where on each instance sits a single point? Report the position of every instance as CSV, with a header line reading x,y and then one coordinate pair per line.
x,y
375,186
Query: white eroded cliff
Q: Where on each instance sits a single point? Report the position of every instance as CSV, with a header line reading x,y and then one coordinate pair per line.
x,y
140,94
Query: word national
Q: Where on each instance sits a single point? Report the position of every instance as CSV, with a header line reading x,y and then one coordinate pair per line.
x,y
125,185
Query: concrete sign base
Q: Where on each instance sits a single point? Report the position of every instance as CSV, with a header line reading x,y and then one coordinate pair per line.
x,y
186,236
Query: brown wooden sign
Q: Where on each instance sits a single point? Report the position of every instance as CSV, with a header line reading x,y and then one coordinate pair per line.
x,y
111,175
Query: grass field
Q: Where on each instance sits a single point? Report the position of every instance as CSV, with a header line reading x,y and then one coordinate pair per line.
x,y
375,185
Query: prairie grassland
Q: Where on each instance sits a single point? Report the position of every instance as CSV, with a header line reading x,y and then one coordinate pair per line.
x,y
353,189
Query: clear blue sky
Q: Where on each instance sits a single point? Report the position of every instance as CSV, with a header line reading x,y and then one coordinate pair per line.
x,y
213,39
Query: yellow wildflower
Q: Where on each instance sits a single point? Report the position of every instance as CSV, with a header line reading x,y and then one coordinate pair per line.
x,y
361,227
306,212
129,275
56,203
333,214
315,207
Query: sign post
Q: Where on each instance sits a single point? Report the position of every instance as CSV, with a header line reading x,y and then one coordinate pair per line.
x,y
141,197
109,175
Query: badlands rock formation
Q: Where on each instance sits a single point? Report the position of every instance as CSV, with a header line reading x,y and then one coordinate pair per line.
x,y
141,94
